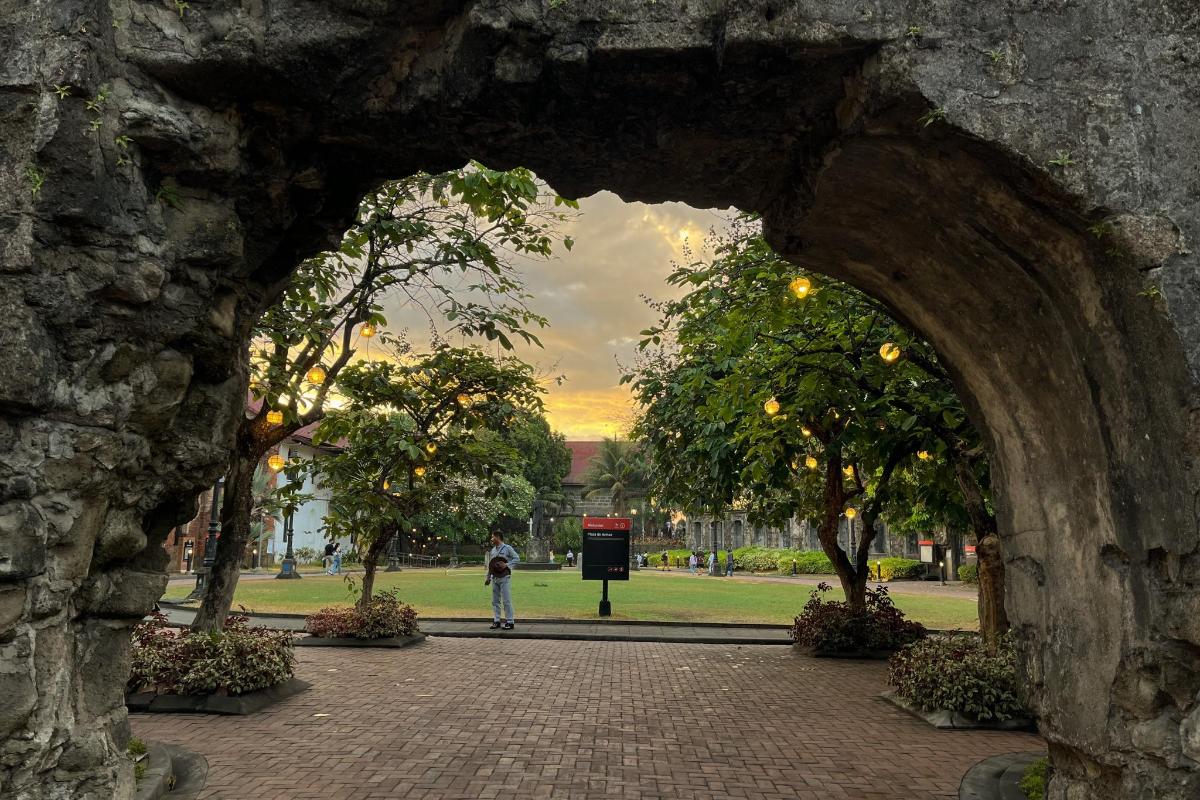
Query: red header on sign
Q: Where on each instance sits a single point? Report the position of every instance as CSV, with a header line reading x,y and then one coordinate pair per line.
x,y
970,548
925,541
607,524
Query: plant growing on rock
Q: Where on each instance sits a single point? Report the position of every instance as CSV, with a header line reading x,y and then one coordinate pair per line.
x,y
437,240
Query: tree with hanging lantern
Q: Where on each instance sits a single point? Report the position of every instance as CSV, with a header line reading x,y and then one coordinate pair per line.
x,y
803,396
416,436
443,242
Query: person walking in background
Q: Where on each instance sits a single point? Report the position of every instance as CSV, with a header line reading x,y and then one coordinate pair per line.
x,y
337,558
551,556
500,561
328,558
692,562
570,558
666,561
729,563
712,562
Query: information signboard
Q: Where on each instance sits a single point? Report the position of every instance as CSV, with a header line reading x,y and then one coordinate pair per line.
x,y
606,548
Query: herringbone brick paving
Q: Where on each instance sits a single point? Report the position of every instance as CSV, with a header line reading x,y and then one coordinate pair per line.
x,y
475,718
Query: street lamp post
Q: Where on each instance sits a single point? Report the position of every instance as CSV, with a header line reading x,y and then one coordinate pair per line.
x,y
287,567
210,543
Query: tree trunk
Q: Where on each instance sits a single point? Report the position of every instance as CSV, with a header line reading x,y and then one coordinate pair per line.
x,y
993,620
854,584
371,564
238,505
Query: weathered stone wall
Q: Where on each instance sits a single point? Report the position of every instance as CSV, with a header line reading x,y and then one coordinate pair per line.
x,y
140,233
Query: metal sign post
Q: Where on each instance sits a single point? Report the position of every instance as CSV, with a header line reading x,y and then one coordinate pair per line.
x,y
605,554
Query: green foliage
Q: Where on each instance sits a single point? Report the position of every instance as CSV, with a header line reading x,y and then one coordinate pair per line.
x,y
932,116
168,193
36,178
957,673
139,770
63,92
1035,779
136,747
418,445
305,555
383,617
900,568
969,573
830,627
618,469
768,559
233,661
753,333
1061,159
442,243
181,7
567,535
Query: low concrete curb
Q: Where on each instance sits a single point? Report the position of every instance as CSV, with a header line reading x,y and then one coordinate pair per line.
x,y
392,642
172,772
952,720
591,636
997,778
225,705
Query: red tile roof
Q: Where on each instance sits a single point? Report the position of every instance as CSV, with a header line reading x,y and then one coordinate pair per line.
x,y
581,459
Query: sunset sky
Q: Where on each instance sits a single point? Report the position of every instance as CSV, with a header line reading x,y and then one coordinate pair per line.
x,y
592,297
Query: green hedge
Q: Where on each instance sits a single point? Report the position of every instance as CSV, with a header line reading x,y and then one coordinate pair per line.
x,y
768,559
901,568
957,673
969,573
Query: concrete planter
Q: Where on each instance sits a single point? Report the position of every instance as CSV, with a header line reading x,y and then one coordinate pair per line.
x,y
226,705
997,778
349,641
952,720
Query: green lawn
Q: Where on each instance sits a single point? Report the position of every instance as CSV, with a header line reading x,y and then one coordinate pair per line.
x,y
461,593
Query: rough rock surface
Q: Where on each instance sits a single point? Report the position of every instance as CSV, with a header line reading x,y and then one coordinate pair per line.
x,y
1018,179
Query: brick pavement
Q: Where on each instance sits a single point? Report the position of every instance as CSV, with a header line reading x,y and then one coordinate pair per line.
x,y
475,718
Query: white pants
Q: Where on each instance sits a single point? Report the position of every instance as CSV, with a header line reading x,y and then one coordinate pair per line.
x,y
502,590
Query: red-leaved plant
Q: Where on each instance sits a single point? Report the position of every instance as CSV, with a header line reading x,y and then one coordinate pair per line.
x,y
831,626
234,661
384,618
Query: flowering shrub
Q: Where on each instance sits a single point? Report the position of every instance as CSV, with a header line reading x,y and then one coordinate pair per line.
x,y
234,661
831,626
957,673
384,617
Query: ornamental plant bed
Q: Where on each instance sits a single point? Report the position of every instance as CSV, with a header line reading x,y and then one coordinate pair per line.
x,y
832,629
385,622
954,681
239,670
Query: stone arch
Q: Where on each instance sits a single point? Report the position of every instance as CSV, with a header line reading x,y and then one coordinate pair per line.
x,y
894,153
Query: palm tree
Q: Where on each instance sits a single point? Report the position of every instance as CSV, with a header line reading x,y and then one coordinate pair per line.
x,y
619,470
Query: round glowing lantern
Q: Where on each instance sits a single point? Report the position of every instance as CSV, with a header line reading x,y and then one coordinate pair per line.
x,y
419,472
890,353
800,287
368,330
316,375
274,417
771,407
275,462
851,513
811,462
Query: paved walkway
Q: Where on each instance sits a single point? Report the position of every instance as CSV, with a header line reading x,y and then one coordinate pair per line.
x,y
475,718
552,629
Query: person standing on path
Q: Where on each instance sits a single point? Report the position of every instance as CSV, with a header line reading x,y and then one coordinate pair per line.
x,y
692,562
337,558
729,563
328,559
712,563
500,561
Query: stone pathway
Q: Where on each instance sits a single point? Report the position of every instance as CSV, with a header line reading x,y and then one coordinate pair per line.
x,y
484,718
